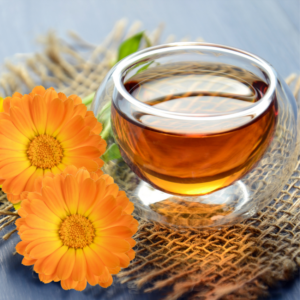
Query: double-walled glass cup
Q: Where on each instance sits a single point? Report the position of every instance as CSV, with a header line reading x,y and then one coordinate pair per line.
x,y
209,131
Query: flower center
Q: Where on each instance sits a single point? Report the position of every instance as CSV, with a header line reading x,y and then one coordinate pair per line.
x,y
76,231
45,152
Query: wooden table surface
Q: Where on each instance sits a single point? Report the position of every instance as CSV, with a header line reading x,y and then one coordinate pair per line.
x,y
268,28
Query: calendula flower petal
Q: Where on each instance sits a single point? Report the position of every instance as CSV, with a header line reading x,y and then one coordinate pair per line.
x,y
90,277
105,276
20,181
74,125
84,151
45,249
62,96
53,202
114,271
81,176
68,284
38,173
34,221
117,244
6,105
73,230
8,153
94,263
98,128
51,262
39,208
79,162
73,141
9,144
49,95
79,271
45,131
108,258
38,90
112,189
131,241
14,168
39,114
76,99
121,231
32,244
115,214
131,254
45,278
81,285
102,208
55,118
23,122
88,187
21,246
71,193
129,208
33,234
9,130
66,264
37,267
80,110
106,284
28,262
124,259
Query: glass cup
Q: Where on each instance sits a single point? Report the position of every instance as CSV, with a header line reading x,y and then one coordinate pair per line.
x,y
209,131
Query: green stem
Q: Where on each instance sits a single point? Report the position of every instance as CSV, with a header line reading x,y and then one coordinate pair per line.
x,y
106,132
106,106
88,99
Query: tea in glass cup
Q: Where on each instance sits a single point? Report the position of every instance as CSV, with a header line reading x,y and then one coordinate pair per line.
x,y
209,131
181,157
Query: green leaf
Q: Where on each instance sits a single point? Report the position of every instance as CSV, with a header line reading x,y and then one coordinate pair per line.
x,y
111,153
130,45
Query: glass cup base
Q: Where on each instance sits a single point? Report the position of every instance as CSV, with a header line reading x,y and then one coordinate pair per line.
x,y
215,209
227,206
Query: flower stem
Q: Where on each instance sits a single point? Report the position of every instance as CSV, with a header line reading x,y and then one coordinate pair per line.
x,y
88,99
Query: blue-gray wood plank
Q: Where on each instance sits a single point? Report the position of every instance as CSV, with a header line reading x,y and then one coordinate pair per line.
x,y
268,28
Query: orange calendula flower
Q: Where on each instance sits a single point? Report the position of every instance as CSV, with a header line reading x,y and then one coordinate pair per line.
x,y
76,228
44,132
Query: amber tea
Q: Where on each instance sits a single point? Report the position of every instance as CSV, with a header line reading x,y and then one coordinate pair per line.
x,y
191,158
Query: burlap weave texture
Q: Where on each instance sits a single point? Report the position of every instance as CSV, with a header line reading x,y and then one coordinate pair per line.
x,y
238,262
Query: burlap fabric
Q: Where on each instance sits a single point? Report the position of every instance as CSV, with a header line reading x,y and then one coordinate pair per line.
x,y
238,262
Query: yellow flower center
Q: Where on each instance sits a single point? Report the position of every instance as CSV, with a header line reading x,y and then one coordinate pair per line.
x,y
45,152
77,231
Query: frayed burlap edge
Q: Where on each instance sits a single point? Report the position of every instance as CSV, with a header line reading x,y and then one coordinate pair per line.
x,y
239,262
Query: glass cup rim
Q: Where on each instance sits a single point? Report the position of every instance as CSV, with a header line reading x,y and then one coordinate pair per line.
x,y
254,110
